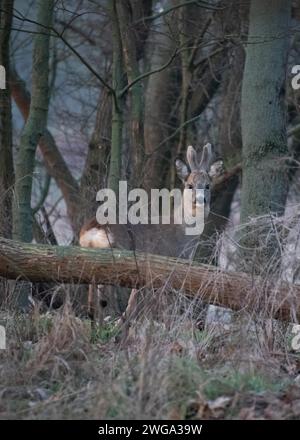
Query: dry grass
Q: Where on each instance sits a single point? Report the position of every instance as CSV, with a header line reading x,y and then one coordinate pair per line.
x,y
166,369
241,367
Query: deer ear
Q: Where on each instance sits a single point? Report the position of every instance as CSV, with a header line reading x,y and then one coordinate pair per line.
x,y
191,156
182,169
216,169
207,155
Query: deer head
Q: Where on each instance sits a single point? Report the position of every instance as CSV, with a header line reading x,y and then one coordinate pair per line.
x,y
199,174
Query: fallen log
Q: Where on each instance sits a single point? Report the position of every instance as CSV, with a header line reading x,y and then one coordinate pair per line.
x,y
71,264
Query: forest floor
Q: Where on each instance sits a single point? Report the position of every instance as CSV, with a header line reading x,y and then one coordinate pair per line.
x,y
166,369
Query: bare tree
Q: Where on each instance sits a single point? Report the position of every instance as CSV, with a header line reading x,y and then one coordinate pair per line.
x,y
34,129
35,125
118,81
6,162
265,177
55,164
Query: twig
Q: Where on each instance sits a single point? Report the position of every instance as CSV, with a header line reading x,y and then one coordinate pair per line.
x,y
201,4
44,195
146,74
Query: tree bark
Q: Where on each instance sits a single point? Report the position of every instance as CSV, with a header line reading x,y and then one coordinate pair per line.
x,y
40,263
95,173
229,145
115,167
35,125
54,161
6,154
136,92
162,91
34,129
263,122
186,73
265,177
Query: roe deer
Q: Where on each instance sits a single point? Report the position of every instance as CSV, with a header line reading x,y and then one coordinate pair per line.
x,y
164,239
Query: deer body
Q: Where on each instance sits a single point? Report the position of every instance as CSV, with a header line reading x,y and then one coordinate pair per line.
x,y
164,239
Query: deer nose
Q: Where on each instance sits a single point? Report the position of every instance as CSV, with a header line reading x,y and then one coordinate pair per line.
x,y
200,198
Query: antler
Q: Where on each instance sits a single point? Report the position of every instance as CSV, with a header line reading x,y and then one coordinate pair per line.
x,y
191,156
206,158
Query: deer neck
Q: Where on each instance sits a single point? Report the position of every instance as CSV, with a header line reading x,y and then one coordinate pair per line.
x,y
190,214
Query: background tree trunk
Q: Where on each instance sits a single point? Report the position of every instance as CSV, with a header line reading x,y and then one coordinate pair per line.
x,y
265,176
6,156
118,81
264,125
35,125
162,92
136,92
229,137
34,129
95,173
54,162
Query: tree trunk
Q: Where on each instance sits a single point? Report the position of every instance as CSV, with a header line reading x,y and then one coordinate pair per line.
x,y
162,92
34,129
265,176
229,137
136,92
40,263
36,124
95,173
6,155
186,41
54,161
115,166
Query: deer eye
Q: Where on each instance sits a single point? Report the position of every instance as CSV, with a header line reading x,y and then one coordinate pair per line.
x,y
207,186
190,186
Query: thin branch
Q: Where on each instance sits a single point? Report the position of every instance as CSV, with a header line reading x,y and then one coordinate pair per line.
x,y
79,56
198,40
43,195
189,121
293,130
208,57
201,4
146,74
50,235
77,30
222,180
91,69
